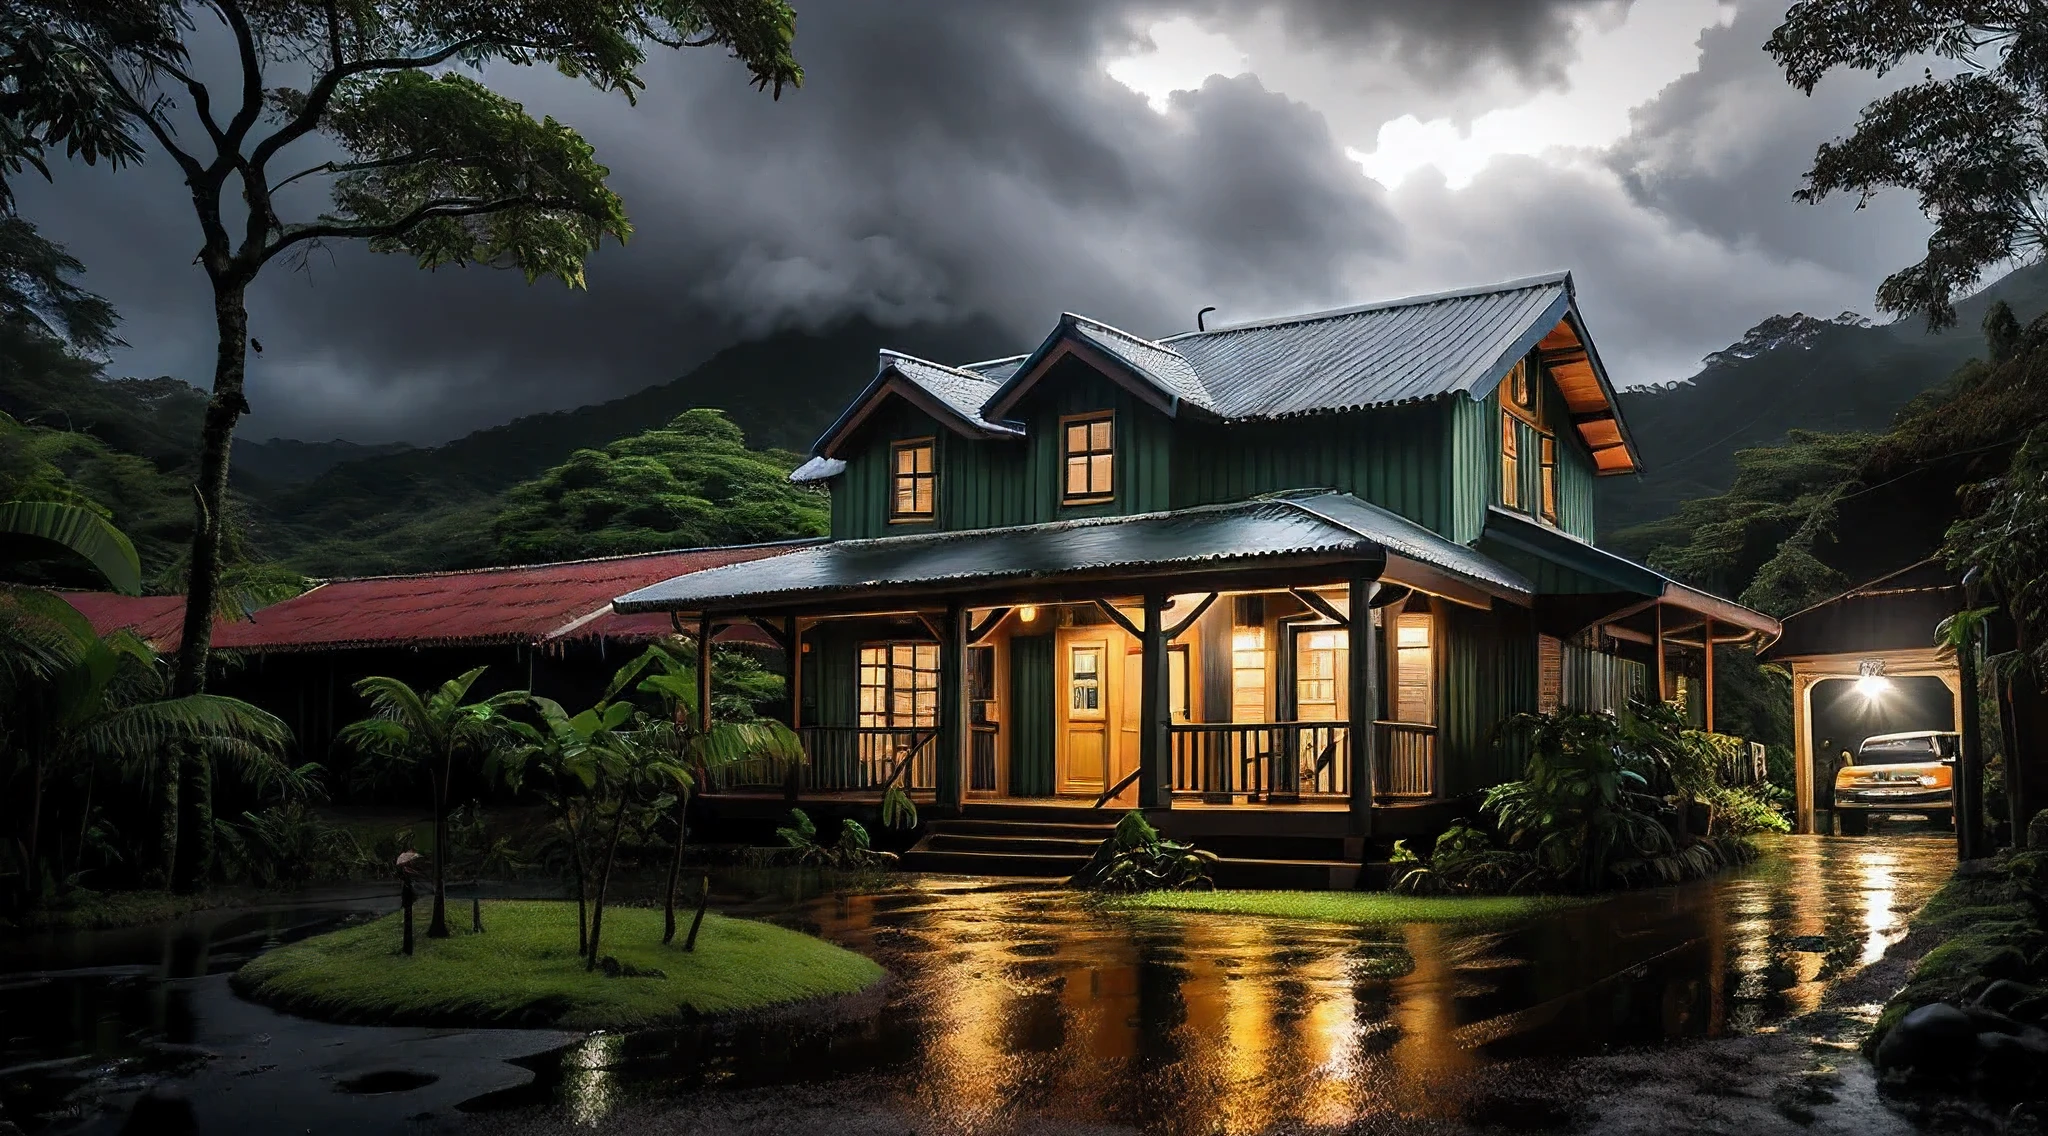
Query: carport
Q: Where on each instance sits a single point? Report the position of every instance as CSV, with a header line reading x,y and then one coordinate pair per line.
x,y
1864,663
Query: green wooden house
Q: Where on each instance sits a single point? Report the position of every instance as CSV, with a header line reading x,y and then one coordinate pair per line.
x,y
1284,574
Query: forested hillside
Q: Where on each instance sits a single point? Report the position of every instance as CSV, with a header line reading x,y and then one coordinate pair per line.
x,y
1788,373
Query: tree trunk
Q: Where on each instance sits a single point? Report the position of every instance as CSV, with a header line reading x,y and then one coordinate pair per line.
x,y
675,870
167,835
582,891
231,322
194,860
604,881
437,927
32,875
703,901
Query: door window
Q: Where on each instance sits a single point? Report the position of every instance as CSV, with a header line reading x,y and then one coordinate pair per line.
x,y
1084,682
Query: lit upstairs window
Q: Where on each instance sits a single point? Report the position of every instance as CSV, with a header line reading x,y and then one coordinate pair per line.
x,y
914,484
1088,445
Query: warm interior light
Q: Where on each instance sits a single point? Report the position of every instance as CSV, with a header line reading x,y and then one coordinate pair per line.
x,y
1251,639
1027,613
1873,687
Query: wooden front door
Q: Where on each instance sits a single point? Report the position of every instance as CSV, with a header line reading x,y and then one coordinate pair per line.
x,y
1087,678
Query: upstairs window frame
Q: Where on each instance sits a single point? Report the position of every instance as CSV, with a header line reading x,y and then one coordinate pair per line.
x,y
1546,502
1510,461
913,480
1096,453
1521,393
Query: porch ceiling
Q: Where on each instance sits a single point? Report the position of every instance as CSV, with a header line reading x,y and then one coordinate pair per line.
x,y
1210,542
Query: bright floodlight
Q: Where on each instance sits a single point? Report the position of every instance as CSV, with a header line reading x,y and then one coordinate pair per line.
x,y
1873,687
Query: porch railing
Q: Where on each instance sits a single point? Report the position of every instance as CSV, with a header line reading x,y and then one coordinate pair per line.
x,y
1407,760
869,757
1270,761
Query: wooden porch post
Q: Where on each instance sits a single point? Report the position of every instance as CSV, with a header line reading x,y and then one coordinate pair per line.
x,y
1155,754
952,739
1707,636
1362,687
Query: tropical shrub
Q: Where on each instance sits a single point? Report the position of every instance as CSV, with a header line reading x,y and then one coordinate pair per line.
x,y
1136,858
851,850
286,845
1583,801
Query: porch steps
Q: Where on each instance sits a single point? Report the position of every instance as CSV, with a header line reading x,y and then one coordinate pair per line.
x,y
976,847
1058,849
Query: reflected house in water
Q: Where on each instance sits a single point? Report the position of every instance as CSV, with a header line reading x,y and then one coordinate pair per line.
x,y
1275,583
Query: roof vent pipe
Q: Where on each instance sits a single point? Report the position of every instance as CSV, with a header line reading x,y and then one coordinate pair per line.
x,y
1199,325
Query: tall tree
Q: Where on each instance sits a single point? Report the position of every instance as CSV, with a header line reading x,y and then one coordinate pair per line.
x,y
1970,140
433,163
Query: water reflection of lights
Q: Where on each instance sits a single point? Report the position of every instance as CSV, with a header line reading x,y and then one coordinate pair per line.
x,y
589,1089
1879,894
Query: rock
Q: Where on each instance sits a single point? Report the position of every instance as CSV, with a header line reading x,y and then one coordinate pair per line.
x,y
1935,1039
1990,1021
2010,1066
2004,994
2033,1009
165,1110
2005,962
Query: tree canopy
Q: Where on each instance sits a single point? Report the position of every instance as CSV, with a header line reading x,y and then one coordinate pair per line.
x,y
1971,140
688,484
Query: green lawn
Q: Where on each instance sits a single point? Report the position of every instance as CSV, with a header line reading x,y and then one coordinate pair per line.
x,y
1358,908
524,970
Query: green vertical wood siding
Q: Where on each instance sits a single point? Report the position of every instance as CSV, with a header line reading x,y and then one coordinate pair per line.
x,y
1394,457
1472,471
1594,680
1490,675
1032,716
1575,470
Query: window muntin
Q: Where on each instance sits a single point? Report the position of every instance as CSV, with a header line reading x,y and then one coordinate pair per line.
x,y
913,481
1548,504
1248,674
1414,668
899,685
1088,450
1510,461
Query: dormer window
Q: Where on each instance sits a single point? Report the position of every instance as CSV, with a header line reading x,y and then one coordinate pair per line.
x,y
1549,457
1088,444
1510,462
914,482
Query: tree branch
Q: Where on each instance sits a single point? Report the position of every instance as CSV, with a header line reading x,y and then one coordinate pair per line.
x,y
323,89
252,76
193,170
425,211
352,167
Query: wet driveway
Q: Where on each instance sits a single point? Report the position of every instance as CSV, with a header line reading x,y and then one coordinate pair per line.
x,y
1019,1003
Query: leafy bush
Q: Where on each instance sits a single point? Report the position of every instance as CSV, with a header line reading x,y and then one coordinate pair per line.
x,y
286,846
852,849
1135,858
1744,810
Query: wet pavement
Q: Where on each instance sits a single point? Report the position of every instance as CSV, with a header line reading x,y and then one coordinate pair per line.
x,y
1012,1005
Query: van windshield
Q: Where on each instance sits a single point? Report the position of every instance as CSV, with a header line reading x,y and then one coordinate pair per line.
x,y
1899,750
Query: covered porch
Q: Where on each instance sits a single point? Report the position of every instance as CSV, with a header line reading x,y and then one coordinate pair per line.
x,y
1206,660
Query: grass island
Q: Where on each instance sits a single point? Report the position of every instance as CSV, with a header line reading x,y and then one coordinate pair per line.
x,y
1355,908
523,970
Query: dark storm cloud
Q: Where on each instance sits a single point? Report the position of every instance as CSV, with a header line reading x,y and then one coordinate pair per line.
x,y
1531,38
1720,151
947,160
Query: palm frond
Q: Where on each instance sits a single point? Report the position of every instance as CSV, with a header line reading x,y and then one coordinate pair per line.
x,y
139,732
79,531
392,700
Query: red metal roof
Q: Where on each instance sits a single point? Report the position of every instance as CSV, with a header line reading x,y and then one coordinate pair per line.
x,y
157,619
525,604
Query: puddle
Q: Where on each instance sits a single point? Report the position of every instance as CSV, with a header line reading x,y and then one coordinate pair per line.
x,y
1016,1001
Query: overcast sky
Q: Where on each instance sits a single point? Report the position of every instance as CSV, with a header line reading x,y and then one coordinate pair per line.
x,y
1130,159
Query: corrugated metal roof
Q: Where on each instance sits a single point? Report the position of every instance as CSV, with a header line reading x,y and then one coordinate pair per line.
x,y
1162,366
525,604
964,392
157,620
1378,354
1403,537
1562,548
1244,532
